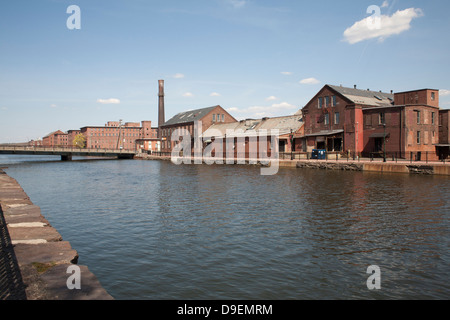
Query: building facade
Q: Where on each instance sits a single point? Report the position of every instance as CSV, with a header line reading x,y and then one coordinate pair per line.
x,y
115,135
186,121
56,139
444,134
243,140
365,122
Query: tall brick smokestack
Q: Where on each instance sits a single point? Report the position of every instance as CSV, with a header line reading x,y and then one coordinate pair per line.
x,y
160,107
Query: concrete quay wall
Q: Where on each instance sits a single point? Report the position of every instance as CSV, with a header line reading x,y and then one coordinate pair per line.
x,y
34,259
405,167
408,168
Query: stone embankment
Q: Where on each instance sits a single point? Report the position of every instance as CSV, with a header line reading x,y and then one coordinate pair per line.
x,y
422,169
331,166
34,259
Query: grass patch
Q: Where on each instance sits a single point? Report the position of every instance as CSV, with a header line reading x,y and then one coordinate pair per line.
x,y
43,267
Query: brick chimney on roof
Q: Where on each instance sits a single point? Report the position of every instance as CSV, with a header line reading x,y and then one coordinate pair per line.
x,y
160,107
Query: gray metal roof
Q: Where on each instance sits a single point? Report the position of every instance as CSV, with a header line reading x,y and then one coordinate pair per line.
x,y
365,97
252,127
189,116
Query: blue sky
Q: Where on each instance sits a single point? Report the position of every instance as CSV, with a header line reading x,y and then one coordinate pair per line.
x,y
253,57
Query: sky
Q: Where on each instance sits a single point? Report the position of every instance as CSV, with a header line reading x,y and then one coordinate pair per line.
x,y
65,67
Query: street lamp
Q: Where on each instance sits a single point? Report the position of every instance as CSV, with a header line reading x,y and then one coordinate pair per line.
x,y
384,153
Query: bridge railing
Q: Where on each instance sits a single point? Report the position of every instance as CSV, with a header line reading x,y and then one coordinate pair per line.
x,y
65,149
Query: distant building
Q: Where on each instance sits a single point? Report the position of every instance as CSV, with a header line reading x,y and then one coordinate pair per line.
x,y
35,143
340,119
115,135
55,139
71,136
186,120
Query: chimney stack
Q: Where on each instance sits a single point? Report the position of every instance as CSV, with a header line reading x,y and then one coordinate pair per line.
x,y
354,86
160,107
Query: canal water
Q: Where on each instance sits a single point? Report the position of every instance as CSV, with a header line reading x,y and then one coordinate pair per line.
x,y
154,230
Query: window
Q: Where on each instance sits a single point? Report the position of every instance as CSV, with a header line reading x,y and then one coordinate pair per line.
x,y
418,137
336,118
382,118
223,118
327,101
432,117
334,101
214,118
368,120
433,96
320,102
418,117
327,119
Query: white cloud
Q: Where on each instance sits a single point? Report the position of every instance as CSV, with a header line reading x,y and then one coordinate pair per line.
x,y
310,81
388,26
4,108
444,93
276,109
188,95
53,106
237,3
178,76
215,94
109,101
271,98
286,73
385,4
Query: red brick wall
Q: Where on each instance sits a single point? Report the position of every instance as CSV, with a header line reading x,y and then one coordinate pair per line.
x,y
108,137
207,121
444,125
429,132
314,116
419,97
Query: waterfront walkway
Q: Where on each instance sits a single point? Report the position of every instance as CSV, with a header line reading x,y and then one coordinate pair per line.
x,y
34,260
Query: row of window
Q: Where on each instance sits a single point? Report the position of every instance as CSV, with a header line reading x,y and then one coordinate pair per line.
x,y
421,140
168,132
327,101
218,118
114,129
115,134
419,115
382,118
336,119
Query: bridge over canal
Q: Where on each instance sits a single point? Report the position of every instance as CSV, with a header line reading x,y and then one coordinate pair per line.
x,y
67,153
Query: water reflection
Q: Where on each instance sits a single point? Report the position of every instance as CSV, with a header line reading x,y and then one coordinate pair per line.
x,y
153,230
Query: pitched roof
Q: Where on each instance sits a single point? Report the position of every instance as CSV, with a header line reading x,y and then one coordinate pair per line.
x,y
53,133
251,126
365,97
189,116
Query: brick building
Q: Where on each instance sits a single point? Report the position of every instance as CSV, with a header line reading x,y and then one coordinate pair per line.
x,y
186,121
366,122
286,127
71,136
115,135
444,134
56,139
148,145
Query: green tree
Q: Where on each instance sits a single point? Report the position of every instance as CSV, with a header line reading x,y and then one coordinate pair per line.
x,y
79,141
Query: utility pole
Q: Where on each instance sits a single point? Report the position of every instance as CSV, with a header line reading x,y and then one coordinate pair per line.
x,y
118,139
